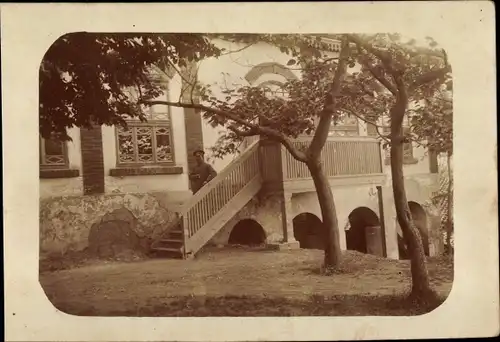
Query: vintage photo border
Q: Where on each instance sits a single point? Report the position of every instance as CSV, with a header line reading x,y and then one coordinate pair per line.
x,y
464,29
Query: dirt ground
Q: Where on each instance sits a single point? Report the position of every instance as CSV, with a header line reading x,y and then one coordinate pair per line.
x,y
242,282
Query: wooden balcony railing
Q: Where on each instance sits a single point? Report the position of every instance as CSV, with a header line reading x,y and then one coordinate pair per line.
x,y
341,156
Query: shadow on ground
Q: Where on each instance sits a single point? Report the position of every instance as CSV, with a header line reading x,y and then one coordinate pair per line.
x,y
234,282
234,306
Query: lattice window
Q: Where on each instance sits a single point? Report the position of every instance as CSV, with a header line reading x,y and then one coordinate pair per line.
x,y
146,143
53,153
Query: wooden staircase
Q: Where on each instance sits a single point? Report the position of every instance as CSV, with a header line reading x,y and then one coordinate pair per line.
x,y
207,211
171,244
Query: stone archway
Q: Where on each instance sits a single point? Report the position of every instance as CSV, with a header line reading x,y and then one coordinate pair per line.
x,y
308,230
364,234
269,68
247,232
420,219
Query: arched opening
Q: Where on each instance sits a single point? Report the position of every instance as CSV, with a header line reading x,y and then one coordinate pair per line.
x,y
420,219
364,234
308,231
247,232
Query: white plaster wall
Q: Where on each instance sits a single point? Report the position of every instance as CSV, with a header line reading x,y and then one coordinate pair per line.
x,y
149,183
228,71
346,200
422,167
66,186
419,189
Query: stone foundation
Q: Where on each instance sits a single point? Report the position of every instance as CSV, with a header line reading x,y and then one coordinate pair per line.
x,y
66,222
268,209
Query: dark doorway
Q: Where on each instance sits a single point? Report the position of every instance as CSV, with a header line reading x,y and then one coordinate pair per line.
x,y
362,221
247,232
308,231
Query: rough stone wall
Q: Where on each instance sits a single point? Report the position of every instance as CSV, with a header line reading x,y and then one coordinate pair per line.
x,y
265,209
65,222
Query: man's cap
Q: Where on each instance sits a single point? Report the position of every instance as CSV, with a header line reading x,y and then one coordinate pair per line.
x,y
195,152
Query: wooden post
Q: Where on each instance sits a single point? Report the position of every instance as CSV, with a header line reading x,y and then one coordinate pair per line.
x,y
287,218
382,220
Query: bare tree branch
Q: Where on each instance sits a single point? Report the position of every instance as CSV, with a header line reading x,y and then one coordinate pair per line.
x,y
383,136
250,133
429,77
237,50
193,85
376,73
325,120
401,104
183,78
382,55
379,77
298,155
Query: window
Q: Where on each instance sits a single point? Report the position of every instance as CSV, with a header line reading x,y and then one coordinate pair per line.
x,y
53,154
273,89
347,126
146,143
276,92
371,130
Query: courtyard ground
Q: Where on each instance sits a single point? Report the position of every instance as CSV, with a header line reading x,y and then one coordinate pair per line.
x,y
242,282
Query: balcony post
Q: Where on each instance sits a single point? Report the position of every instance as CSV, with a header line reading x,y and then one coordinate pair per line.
x,y
389,222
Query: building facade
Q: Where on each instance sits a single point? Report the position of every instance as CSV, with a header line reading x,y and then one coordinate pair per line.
x,y
261,192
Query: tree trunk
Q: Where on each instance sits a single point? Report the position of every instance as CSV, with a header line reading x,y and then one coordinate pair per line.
x,y
421,289
329,213
449,199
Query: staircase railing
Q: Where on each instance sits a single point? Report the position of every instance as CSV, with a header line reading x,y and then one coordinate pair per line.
x,y
217,193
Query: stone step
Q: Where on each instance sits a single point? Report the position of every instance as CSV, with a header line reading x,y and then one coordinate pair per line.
x,y
175,233
169,240
170,243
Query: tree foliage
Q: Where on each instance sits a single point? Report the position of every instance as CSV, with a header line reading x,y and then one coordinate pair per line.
x,y
432,122
368,93
412,75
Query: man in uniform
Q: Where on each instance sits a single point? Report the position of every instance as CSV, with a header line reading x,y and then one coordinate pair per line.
x,y
202,173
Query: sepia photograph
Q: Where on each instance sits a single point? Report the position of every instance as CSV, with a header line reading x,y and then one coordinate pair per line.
x,y
252,173
187,174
